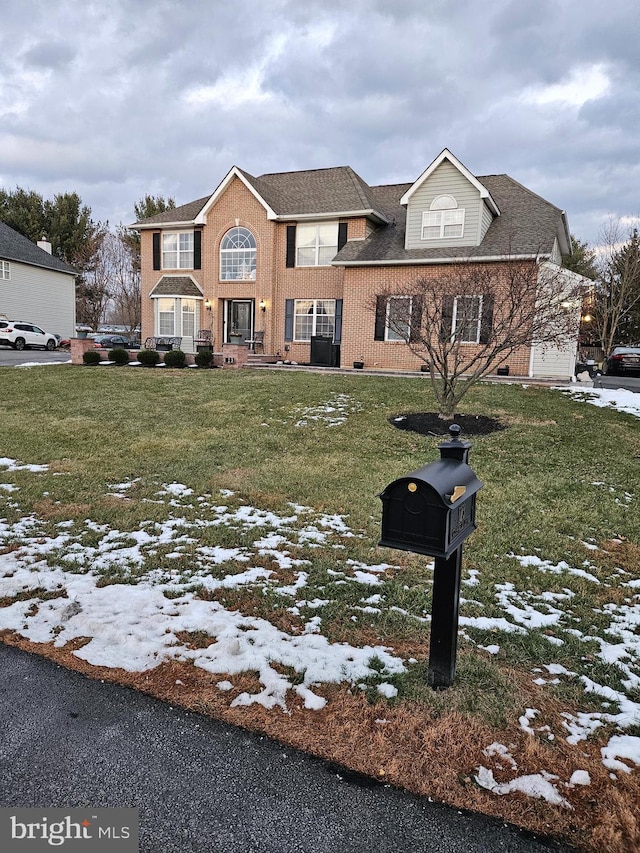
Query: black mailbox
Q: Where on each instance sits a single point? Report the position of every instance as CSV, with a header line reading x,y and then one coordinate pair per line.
x,y
432,510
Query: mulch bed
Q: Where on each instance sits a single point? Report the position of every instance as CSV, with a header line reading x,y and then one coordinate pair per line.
x,y
428,423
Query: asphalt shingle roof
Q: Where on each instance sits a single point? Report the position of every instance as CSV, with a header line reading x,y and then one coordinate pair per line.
x,y
528,225
15,247
176,285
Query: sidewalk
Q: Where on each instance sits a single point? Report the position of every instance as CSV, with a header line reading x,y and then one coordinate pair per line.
x,y
203,786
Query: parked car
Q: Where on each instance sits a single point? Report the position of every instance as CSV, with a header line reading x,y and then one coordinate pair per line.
x,y
115,341
622,360
20,334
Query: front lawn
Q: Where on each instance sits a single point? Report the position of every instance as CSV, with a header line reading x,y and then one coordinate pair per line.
x,y
211,537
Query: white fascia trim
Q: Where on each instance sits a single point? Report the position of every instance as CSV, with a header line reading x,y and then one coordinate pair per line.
x,y
175,295
445,154
338,214
158,226
422,261
234,172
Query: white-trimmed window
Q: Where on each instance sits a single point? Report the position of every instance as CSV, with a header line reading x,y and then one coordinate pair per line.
x,y
467,318
313,317
444,219
188,317
167,316
177,251
5,270
176,316
398,318
316,244
238,255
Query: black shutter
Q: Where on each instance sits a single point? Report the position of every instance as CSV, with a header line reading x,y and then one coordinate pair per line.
x,y
446,329
486,323
381,318
342,234
156,251
291,245
197,250
288,317
337,334
415,330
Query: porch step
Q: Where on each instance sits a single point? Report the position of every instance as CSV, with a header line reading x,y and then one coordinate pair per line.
x,y
255,359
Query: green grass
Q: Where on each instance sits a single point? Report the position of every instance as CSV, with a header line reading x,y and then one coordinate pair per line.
x,y
239,430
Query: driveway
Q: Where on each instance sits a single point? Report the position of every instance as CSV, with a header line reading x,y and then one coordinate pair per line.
x,y
629,383
206,787
10,357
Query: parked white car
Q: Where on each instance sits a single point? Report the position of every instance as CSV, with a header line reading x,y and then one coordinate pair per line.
x,y
20,334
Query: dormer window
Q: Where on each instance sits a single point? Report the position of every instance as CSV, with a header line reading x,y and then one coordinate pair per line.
x,y
444,219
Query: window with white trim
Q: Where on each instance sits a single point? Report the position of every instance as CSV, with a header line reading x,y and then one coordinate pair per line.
x,y
316,244
177,251
5,270
443,219
166,317
176,316
313,317
238,255
467,318
188,317
398,318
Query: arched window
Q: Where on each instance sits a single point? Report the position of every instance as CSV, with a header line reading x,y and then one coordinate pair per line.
x,y
443,219
238,255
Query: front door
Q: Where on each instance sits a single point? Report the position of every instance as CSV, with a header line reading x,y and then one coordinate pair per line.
x,y
239,321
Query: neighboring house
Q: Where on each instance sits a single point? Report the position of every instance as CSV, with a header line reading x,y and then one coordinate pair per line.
x,y
303,255
36,286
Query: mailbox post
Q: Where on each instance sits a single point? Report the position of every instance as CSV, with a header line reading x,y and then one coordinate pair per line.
x,y
432,511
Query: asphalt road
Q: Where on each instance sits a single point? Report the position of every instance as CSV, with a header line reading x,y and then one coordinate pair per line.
x,y
10,357
202,786
630,383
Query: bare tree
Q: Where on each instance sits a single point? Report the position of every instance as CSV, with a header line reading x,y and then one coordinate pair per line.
x,y
464,321
125,277
616,295
93,285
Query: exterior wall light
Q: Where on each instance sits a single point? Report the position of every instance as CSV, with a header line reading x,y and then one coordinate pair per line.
x,y
207,304
263,305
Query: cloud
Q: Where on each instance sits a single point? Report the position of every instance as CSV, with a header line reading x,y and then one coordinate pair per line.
x,y
162,96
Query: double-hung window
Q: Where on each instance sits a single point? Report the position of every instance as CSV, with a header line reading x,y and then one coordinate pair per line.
x,y
177,251
5,270
398,318
316,244
176,316
467,317
443,219
313,317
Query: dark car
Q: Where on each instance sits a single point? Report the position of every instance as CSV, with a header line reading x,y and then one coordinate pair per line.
x,y
115,342
622,360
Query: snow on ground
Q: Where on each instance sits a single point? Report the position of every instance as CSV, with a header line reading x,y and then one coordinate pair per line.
x,y
135,624
619,399
135,596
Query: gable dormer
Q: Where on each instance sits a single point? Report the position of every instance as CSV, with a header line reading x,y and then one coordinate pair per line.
x,y
447,206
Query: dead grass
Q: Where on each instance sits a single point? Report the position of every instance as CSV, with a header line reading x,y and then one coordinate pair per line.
x,y
405,745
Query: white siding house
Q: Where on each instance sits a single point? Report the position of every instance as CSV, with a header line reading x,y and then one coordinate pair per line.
x,y
36,286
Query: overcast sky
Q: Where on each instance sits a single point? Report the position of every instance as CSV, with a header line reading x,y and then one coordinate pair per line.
x,y
119,98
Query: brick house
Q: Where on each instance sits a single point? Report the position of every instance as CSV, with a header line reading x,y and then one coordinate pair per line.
x,y
301,256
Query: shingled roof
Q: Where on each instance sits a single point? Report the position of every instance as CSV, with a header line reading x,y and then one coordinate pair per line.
x,y
527,225
15,247
315,192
